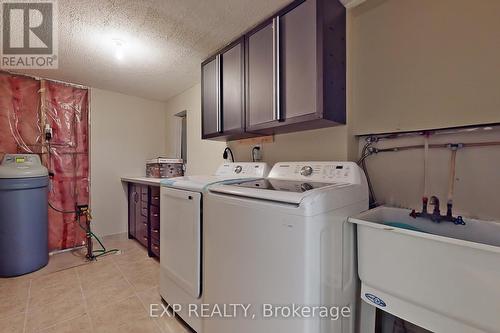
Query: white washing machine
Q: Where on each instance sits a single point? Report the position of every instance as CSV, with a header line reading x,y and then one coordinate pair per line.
x,y
181,234
284,241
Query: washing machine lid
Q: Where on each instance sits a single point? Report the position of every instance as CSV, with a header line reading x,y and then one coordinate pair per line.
x,y
22,166
281,185
227,173
286,191
291,182
194,183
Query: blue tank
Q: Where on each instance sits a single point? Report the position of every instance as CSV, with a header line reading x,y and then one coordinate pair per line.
x,y
23,215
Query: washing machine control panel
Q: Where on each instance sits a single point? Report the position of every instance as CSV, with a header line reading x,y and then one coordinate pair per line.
x,y
306,170
329,172
243,169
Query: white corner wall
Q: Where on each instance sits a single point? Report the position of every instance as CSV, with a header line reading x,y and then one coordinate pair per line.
x,y
423,64
203,156
125,131
326,144
413,64
398,177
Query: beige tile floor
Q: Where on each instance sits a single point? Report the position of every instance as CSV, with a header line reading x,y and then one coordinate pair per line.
x,y
72,295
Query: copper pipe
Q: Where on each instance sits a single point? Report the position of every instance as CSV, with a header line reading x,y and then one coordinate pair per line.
x,y
442,146
451,179
482,144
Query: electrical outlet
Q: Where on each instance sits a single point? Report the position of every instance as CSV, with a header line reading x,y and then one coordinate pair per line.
x,y
257,153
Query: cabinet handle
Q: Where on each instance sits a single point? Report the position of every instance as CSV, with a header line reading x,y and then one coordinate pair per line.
x,y
276,69
155,231
156,198
218,92
155,215
145,238
156,247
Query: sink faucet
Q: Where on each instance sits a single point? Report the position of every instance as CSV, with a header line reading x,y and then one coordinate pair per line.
x,y
436,216
436,213
449,207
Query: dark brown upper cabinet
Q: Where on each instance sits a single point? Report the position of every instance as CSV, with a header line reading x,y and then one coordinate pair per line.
x,y
294,71
223,94
260,84
210,102
308,72
232,75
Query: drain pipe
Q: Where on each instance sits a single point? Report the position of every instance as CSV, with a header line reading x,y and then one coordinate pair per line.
x,y
451,180
425,198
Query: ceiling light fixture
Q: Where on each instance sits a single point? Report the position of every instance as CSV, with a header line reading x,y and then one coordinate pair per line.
x,y
473,129
119,45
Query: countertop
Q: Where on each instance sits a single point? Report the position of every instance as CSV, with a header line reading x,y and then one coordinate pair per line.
x,y
143,180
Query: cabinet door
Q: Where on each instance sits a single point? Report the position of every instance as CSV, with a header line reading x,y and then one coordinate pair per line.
x,y
210,107
232,88
133,199
260,77
141,225
298,64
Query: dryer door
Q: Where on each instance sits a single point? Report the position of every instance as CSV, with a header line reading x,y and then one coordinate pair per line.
x,y
180,240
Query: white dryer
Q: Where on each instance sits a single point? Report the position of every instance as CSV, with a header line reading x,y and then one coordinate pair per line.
x,y
181,234
284,242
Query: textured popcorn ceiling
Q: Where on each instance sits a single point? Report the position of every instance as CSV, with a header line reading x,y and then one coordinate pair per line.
x,y
163,41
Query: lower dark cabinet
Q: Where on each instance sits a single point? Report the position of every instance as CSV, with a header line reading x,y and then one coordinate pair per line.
x,y
144,216
155,247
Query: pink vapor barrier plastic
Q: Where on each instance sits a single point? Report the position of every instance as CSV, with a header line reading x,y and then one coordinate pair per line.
x,y
26,105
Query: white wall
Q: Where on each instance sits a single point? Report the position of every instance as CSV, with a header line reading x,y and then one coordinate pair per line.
x,y
204,156
413,64
125,131
326,144
423,64
398,177
426,64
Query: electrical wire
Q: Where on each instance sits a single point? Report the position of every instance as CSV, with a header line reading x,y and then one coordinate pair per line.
x,y
225,154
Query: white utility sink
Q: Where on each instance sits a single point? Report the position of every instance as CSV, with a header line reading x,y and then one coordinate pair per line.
x,y
444,278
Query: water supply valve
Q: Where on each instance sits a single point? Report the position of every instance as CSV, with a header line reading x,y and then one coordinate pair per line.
x,y
48,132
455,146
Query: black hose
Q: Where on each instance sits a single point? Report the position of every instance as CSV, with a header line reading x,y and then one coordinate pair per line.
x,y
362,163
62,211
100,252
225,156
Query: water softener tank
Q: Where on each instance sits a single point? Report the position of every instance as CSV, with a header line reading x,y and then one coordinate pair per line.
x,y
23,214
